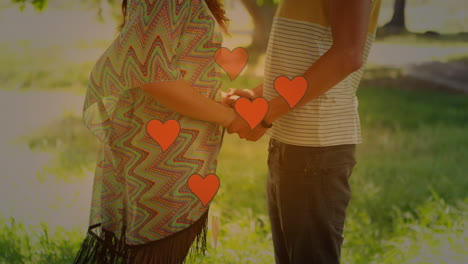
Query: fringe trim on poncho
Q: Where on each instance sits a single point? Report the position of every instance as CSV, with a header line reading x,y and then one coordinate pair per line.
x,y
105,248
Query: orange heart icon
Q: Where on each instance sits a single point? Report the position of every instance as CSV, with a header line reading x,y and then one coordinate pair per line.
x,y
291,90
252,111
165,134
204,188
232,62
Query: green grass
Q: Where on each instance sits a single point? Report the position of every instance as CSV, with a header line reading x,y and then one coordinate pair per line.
x,y
437,234
409,187
35,245
414,144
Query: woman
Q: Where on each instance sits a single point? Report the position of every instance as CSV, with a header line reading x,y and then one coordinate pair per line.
x,y
160,67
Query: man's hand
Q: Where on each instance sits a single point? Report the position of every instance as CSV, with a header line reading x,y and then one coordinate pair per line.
x,y
242,128
257,133
239,126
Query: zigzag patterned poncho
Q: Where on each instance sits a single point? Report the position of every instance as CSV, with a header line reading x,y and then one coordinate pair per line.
x,y
140,194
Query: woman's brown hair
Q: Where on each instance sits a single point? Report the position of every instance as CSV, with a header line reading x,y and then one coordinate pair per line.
x,y
215,6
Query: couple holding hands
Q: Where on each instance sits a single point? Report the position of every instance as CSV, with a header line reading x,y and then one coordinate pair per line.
x,y
161,66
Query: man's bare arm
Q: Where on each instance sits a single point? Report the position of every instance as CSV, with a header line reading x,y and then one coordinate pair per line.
x,y
349,21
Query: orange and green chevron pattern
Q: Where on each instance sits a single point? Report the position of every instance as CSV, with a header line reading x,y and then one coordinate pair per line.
x,y
136,183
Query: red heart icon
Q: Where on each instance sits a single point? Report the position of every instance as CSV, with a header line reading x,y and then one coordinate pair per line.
x,y
291,90
252,111
165,134
232,62
204,188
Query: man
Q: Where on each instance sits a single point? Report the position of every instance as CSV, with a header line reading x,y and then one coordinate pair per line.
x,y
312,146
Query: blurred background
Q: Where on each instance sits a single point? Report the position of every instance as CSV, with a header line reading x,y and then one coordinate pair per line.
x,y
410,203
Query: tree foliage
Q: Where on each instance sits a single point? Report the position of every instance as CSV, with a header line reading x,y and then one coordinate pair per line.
x,y
97,5
37,4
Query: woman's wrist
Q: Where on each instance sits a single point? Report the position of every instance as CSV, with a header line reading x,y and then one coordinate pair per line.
x,y
228,115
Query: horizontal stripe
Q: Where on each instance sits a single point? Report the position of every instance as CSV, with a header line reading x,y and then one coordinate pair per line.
x,y
333,117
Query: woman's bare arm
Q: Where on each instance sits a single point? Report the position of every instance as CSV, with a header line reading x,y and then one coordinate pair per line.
x,y
180,97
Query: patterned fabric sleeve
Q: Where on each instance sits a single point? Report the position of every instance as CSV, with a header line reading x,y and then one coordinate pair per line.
x,y
155,29
145,51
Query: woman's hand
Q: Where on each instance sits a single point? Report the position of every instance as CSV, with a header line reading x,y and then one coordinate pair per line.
x,y
229,100
238,124
229,117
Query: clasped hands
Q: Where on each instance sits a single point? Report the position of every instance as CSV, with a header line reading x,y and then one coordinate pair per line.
x,y
238,124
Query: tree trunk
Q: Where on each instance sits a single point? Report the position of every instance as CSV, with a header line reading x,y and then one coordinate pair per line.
x,y
262,17
397,22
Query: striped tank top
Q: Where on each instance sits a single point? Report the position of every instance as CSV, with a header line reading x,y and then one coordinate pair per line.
x,y
300,35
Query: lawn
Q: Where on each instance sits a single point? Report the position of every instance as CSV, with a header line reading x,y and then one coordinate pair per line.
x,y
409,187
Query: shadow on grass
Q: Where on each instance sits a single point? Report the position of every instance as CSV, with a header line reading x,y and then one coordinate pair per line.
x,y
394,98
427,38
395,78
461,60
